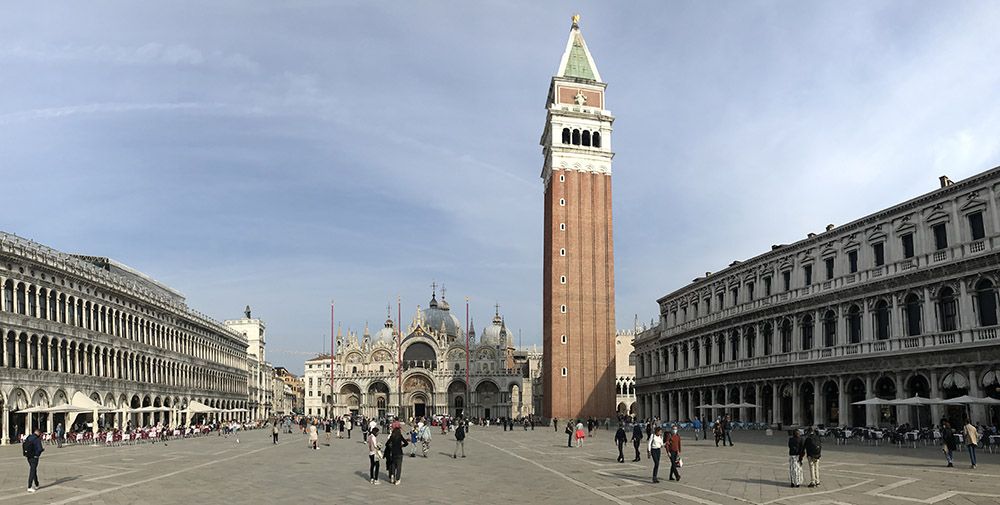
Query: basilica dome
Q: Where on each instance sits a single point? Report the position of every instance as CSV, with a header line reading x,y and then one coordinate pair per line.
x,y
386,334
496,333
437,316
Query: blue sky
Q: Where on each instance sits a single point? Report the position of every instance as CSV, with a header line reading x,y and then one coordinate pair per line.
x,y
280,154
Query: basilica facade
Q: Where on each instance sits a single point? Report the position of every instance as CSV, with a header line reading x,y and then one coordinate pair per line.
x,y
898,303
428,372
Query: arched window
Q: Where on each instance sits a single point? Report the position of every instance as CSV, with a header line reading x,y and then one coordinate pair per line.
x,y
586,138
912,308
767,333
854,324
565,136
8,296
722,348
807,333
829,329
750,334
734,343
882,320
986,302
576,137
595,139
947,309
786,335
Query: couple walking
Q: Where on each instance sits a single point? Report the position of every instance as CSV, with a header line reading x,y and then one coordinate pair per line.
x,y
392,453
811,447
673,446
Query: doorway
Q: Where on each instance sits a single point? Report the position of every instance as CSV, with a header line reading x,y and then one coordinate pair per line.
x,y
419,409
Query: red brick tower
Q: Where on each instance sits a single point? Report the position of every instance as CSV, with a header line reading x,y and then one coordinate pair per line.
x,y
579,277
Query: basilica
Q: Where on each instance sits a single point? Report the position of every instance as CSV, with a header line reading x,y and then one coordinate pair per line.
x,y
436,369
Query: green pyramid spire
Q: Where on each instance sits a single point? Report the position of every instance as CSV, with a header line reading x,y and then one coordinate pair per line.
x,y
578,65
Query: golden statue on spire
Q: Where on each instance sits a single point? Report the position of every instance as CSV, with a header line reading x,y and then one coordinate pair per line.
x,y
576,20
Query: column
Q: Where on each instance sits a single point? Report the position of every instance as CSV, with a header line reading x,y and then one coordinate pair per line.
x,y
725,399
690,405
902,412
775,403
977,413
966,319
17,350
935,393
758,416
930,323
796,405
819,403
759,348
866,328
896,323
843,414
743,410
871,412
6,422
672,403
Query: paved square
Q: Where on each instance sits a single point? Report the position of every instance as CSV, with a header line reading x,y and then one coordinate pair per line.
x,y
502,467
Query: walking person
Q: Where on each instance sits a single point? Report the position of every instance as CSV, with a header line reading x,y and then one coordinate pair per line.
x,y
569,433
704,428
374,455
697,427
459,439
424,433
32,449
313,436
394,451
555,424
948,444
717,431
580,435
620,439
350,425
653,451
636,440
795,458
274,433
328,428
727,431
60,435
971,435
812,448
673,444
340,428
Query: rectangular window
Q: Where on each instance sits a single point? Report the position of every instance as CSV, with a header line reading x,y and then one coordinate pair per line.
x,y
736,296
907,245
786,280
878,251
940,236
852,259
829,268
976,226
767,286
722,302
807,272
694,309
750,287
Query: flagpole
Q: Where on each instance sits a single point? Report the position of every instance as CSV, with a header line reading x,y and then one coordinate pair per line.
x,y
399,355
332,352
466,347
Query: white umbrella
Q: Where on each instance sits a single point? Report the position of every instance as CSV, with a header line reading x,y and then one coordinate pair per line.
x,y
747,405
971,400
917,400
873,401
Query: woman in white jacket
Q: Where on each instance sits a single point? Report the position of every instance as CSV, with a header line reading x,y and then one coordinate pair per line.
x,y
654,449
374,455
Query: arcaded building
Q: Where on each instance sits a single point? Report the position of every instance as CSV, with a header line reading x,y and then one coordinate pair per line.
x,y
89,325
898,303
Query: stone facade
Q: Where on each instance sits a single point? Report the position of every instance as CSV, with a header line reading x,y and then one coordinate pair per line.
x,y
260,372
425,374
578,306
625,371
83,324
897,303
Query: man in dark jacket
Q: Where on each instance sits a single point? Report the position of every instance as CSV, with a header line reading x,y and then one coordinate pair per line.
x,y
812,448
620,439
636,439
459,438
32,451
948,441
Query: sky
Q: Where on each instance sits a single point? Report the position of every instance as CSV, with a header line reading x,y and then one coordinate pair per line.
x,y
286,154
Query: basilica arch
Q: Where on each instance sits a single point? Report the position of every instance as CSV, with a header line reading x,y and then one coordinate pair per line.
x,y
418,395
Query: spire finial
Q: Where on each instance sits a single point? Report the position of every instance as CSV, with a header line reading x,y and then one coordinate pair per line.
x,y
442,291
576,21
434,286
497,307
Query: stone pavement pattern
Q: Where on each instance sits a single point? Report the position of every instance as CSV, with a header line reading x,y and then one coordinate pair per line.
x,y
502,467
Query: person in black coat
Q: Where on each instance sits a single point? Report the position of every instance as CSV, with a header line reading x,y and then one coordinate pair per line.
x,y
394,454
636,439
620,439
948,442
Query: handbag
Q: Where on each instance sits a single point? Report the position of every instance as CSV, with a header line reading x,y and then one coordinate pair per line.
x,y
680,463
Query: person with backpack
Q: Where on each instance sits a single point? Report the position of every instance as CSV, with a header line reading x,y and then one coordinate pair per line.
x,y
424,433
32,449
948,442
394,455
459,439
812,447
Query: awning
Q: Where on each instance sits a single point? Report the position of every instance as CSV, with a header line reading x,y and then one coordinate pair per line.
x,y
971,400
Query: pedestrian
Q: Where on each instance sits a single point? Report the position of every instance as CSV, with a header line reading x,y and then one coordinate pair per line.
x,y
364,429
812,448
569,433
620,439
555,424
394,450
697,427
580,435
704,428
504,422
653,451
374,456
340,428
350,425
590,427
313,436
274,433
32,449
727,431
328,428
948,443
717,431
794,458
424,433
413,442
673,444
971,435
459,439
636,440
60,435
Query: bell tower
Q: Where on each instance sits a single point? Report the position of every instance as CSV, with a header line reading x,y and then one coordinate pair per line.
x,y
579,282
